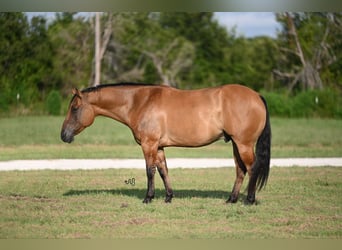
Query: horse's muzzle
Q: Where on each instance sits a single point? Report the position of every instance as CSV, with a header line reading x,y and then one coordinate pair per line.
x,y
67,135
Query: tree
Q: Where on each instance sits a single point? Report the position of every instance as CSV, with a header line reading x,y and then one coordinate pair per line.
x,y
138,43
307,43
251,61
72,40
169,61
41,58
170,53
210,41
25,60
121,62
100,48
13,27
97,50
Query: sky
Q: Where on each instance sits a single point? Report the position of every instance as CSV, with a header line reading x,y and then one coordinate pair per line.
x,y
248,24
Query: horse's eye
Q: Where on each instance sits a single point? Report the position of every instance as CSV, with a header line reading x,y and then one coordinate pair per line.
x,y
74,109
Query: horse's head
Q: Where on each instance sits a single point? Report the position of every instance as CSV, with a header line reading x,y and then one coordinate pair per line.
x,y
79,116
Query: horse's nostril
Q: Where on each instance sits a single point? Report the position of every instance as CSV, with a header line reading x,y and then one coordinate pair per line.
x,y
67,136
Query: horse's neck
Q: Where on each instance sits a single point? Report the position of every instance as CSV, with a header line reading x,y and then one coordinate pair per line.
x,y
112,103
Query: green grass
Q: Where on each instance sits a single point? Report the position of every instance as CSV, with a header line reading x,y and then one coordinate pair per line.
x,y
297,203
38,138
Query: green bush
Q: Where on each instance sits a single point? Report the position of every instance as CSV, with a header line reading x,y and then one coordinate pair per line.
x,y
304,104
278,104
329,104
324,104
3,103
54,103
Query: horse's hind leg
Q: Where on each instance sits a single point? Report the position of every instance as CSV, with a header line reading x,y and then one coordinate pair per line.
x,y
244,159
163,171
240,175
248,157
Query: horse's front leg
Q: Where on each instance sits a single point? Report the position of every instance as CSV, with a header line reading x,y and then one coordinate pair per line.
x,y
150,171
163,171
151,158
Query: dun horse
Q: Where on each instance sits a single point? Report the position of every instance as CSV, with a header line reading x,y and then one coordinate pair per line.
x,y
161,116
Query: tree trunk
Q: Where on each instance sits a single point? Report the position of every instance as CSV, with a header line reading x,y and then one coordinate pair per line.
x,y
308,76
97,50
100,49
293,32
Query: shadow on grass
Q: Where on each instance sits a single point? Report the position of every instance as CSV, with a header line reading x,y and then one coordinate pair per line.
x,y
160,193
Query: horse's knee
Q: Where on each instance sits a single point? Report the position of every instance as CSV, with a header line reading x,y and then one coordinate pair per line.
x,y
150,171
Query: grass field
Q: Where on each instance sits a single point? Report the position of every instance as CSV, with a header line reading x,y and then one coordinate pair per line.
x,y
297,203
38,138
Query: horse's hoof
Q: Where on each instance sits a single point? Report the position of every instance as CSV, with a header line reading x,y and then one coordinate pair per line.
x,y
168,199
249,202
147,200
232,199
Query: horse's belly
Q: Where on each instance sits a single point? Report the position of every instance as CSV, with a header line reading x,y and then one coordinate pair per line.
x,y
192,120
191,134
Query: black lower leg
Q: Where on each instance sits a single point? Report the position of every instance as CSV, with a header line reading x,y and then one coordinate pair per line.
x,y
240,175
251,193
233,196
169,196
250,198
150,171
169,192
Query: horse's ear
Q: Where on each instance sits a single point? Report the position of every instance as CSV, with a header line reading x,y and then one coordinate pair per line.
x,y
76,92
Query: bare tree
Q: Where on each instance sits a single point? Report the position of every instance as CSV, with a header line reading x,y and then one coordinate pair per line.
x,y
97,50
100,49
171,56
167,66
308,72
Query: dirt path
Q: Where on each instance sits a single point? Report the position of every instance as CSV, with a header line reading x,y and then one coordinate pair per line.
x,y
140,163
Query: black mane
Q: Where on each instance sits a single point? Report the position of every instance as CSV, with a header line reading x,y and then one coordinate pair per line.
x,y
91,89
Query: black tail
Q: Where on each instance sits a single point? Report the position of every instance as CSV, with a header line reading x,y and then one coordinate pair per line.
x,y
261,167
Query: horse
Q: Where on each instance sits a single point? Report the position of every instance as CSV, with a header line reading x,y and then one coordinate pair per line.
x,y
160,116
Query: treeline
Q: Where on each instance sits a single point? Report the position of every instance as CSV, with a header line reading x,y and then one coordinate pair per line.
x,y
41,60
